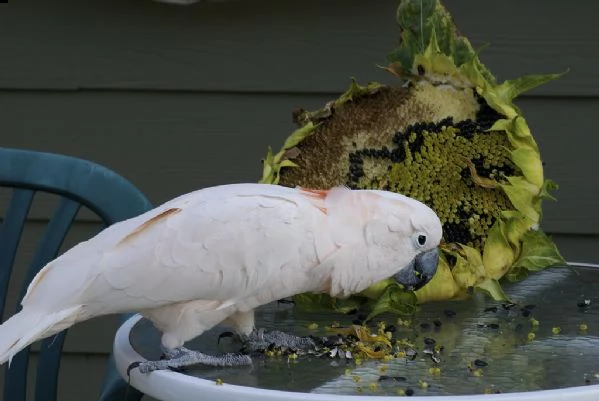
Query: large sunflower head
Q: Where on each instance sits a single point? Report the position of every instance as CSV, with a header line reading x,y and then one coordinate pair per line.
x,y
448,135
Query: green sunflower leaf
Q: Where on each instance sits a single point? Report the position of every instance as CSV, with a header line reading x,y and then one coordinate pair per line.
x,y
299,135
325,303
548,186
529,161
511,89
498,254
493,289
395,300
521,193
538,252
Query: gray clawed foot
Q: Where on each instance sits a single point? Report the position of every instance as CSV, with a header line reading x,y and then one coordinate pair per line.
x,y
182,357
259,340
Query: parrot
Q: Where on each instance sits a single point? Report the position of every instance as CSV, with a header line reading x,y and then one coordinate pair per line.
x,y
215,254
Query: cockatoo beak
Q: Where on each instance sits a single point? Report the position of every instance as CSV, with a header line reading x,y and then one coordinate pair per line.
x,y
419,271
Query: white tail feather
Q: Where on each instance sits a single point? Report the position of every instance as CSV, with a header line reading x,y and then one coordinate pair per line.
x,y
28,326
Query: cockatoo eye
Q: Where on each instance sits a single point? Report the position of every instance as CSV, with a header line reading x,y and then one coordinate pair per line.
x,y
420,240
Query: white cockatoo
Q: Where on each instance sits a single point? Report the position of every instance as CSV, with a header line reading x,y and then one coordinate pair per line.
x,y
216,254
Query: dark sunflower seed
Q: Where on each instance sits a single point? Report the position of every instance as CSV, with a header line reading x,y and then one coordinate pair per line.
x,y
480,363
394,378
449,313
430,341
491,309
409,392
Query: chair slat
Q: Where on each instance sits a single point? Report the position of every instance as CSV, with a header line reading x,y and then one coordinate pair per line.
x,y
48,249
46,381
10,235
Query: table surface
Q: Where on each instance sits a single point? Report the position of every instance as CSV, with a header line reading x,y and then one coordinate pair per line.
x,y
516,366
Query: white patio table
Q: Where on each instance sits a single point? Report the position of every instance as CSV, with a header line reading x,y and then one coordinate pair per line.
x,y
137,340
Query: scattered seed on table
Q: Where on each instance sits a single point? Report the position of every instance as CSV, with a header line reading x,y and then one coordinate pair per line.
x,y
394,378
449,313
429,341
480,363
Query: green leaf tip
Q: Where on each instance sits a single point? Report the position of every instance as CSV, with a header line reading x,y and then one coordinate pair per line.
x,y
356,91
538,252
427,25
272,164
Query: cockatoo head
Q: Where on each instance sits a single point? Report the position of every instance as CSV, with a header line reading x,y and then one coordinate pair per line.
x,y
391,235
419,229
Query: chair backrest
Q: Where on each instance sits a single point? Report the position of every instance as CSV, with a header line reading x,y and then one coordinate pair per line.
x,y
78,183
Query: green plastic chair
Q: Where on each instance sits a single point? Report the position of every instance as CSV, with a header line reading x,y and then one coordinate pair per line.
x,y
79,183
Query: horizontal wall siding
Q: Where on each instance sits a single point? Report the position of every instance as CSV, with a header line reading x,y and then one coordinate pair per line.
x,y
172,143
274,45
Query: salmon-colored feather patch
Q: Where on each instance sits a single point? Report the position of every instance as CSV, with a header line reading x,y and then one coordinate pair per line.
x,y
147,224
316,194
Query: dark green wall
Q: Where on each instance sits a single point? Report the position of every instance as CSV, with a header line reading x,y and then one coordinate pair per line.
x,y
178,98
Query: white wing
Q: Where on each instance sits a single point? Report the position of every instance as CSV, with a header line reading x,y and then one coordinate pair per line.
x,y
220,243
